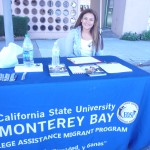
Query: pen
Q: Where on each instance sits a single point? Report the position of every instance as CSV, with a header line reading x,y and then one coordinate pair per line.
x,y
23,76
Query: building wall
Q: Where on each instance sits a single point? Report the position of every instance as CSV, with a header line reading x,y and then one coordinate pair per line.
x,y
47,19
84,4
136,15
118,16
1,7
130,16
96,5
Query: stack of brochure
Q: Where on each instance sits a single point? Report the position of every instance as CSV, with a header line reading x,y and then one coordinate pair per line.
x,y
89,69
59,70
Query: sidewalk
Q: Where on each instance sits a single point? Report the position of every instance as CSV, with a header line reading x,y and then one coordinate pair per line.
x,y
134,52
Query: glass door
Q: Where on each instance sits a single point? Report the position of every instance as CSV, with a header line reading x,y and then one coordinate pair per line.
x,y
108,13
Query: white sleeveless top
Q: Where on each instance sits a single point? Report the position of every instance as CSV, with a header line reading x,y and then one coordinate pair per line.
x,y
86,47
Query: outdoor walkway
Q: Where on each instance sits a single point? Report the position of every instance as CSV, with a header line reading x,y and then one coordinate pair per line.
x,y
134,52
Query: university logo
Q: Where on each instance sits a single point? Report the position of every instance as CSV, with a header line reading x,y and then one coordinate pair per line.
x,y
127,112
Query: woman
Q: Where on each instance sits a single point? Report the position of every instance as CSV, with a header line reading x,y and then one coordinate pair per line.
x,y
84,39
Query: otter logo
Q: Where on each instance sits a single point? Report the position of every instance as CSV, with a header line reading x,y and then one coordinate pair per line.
x,y
127,112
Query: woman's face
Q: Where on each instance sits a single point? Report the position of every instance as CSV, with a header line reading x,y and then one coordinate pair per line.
x,y
87,21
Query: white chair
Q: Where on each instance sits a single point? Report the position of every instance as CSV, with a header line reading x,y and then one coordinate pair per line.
x,y
61,44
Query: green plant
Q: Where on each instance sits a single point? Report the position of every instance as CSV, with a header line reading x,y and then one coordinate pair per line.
x,y
1,26
20,25
145,35
130,36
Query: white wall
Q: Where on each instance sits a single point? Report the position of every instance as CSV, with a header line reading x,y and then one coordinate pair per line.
x,y
39,24
136,15
130,16
84,2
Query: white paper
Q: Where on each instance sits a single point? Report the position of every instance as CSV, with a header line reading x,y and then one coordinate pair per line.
x,y
76,69
38,67
83,60
114,67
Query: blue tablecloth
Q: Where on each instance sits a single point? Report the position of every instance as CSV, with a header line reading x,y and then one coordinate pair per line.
x,y
77,112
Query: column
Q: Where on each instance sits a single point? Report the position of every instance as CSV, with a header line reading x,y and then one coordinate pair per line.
x,y
8,25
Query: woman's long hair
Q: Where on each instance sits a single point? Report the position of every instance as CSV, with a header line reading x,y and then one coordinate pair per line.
x,y
94,30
